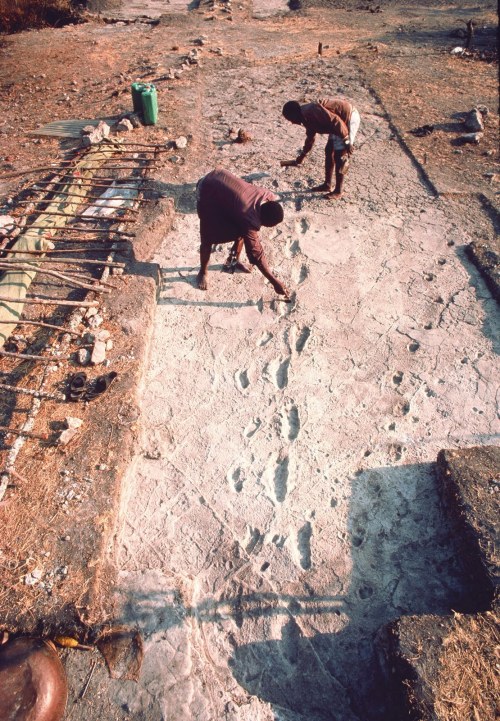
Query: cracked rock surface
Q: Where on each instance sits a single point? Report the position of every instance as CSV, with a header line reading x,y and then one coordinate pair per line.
x,y
285,506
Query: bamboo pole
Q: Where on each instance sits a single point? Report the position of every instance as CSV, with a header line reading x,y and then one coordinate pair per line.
x,y
51,301
65,261
26,267
15,432
63,329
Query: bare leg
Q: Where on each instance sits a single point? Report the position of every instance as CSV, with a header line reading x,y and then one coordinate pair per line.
x,y
329,168
341,166
204,260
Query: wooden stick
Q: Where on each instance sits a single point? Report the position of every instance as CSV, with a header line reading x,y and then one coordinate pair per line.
x,y
47,201
82,182
97,249
33,170
34,393
87,241
51,301
4,429
81,230
26,267
66,261
143,145
26,356
80,216
63,329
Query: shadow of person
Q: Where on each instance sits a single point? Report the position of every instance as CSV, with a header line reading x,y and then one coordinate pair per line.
x,y
292,676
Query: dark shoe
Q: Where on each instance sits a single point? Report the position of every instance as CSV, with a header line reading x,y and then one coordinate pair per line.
x,y
77,386
101,385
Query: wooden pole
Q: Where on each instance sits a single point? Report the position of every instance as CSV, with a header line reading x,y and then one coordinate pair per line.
x,y
37,253
84,183
63,329
27,356
26,267
4,429
51,301
46,201
65,261
81,230
85,218
31,392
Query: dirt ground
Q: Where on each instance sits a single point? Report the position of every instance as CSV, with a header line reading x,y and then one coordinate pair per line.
x,y
283,505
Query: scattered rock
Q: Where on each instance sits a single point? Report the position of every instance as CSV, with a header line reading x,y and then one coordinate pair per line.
x,y
72,426
124,126
98,352
95,321
135,119
180,142
83,356
96,135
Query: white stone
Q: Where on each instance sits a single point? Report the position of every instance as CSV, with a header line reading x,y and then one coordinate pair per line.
x,y
98,353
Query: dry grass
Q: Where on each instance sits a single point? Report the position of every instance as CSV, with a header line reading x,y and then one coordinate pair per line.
x,y
468,676
17,15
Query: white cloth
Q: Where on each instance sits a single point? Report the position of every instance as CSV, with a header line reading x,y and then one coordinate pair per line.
x,y
354,123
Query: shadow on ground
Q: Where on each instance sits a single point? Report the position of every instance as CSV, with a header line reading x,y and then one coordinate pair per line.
x,y
404,561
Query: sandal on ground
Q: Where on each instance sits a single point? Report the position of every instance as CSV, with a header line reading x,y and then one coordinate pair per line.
x,y
101,385
77,386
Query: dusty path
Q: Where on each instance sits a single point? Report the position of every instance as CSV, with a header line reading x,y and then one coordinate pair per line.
x,y
285,504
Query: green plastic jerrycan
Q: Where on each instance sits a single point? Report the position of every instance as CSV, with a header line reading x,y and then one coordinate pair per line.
x,y
137,89
149,100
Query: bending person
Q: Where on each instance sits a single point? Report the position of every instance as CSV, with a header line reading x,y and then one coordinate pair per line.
x,y
333,117
232,211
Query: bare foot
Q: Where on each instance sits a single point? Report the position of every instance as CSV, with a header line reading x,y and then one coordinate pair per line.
x,y
202,280
323,188
333,196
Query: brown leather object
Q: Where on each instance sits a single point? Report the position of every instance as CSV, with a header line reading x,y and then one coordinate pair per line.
x,y
33,684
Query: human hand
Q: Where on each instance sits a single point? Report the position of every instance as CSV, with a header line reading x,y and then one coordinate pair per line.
x,y
281,289
350,150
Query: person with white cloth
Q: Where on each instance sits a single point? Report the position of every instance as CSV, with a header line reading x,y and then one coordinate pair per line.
x,y
336,118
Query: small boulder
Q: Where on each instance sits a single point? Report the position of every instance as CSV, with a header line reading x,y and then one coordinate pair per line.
x,y
180,142
98,352
124,126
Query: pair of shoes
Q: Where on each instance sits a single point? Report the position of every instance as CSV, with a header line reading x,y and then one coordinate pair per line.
x,y
77,386
100,385
80,390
